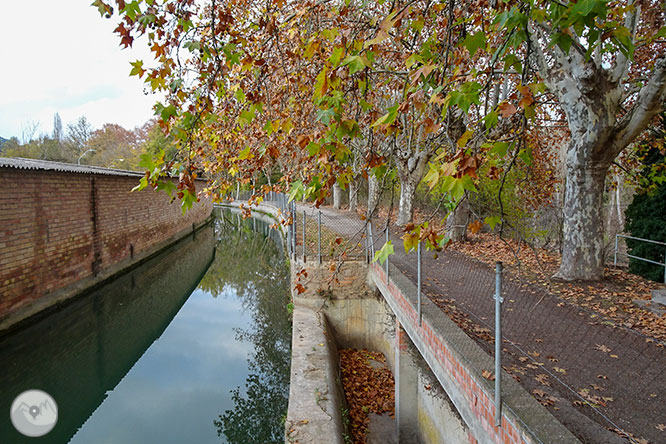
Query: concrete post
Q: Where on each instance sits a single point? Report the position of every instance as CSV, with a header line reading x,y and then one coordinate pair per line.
x,y
406,380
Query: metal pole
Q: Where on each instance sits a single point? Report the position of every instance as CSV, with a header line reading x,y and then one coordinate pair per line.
x,y
664,268
418,279
319,237
294,229
303,235
387,259
615,256
372,241
498,344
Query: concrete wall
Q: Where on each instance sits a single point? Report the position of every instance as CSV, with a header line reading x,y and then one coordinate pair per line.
x,y
351,313
62,231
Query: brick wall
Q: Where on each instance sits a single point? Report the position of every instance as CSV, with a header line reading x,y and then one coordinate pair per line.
x,y
59,228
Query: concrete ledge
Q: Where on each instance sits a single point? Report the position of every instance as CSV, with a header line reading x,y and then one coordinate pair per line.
x,y
47,303
315,398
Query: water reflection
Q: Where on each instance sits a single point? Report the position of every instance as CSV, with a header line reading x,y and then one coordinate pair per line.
x,y
151,356
259,278
80,352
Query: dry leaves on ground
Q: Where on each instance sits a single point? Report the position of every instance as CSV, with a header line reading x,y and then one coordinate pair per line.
x,y
612,298
367,389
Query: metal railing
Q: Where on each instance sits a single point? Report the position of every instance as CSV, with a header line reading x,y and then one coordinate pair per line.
x,y
617,236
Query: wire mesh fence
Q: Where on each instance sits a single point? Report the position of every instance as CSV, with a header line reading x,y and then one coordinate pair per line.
x,y
602,379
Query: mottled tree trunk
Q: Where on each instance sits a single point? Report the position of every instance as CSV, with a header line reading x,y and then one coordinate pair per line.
x,y
410,172
582,237
406,206
592,96
337,196
353,195
456,223
373,194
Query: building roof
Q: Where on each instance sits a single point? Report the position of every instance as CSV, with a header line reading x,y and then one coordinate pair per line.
x,y
46,165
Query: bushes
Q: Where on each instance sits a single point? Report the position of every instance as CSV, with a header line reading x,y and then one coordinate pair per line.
x,y
646,218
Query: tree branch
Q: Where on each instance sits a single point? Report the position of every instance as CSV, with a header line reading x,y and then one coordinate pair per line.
x,y
648,104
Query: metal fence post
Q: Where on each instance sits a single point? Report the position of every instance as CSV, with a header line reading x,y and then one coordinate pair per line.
x,y
295,229
303,235
387,259
615,255
319,237
418,279
498,344
372,241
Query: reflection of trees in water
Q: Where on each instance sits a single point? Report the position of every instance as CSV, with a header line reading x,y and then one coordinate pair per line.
x,y
252,264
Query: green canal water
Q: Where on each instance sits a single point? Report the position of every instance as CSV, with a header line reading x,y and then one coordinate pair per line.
x,y
192,346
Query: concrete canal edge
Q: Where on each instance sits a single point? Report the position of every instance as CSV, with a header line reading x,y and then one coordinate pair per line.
x,y
315,395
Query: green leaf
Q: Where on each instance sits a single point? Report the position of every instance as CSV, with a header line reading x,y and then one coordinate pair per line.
x,y
474,42
355,63
143,183
188,200
325,115
622,37
563,41
137,68
297,190
525,156
132,9
336,56
387,118
383,253
167,186
491,119
192,45
147,162
313,148
500,149
492,221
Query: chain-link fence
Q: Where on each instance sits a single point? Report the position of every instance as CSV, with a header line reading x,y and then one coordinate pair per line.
x,y
599,377
602,379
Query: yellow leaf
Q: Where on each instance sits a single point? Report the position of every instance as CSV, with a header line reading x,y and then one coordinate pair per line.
x,y
465,138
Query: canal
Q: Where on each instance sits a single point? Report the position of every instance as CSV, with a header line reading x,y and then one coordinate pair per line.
x,y
193,345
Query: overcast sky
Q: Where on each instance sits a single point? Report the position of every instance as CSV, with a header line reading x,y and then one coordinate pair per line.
x,y
61,56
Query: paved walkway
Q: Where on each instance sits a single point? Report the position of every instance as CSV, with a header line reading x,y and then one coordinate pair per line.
x,y
558,352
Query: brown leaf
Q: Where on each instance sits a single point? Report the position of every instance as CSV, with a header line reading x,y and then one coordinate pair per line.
x,y
488,375
602,348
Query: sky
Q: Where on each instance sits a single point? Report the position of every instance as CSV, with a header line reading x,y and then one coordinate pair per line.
x,y
62,56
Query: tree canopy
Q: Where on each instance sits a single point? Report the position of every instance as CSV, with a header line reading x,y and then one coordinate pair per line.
x,y
439,91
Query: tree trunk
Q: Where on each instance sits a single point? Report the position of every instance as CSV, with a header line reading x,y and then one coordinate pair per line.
x,y
337,196
456,223
582,255
353,195
406,207
373,194
410,172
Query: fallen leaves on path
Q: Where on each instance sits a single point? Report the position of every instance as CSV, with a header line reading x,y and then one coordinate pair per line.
x,y
612,298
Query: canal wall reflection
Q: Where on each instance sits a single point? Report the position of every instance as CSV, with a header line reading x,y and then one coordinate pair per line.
x,y
85,348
